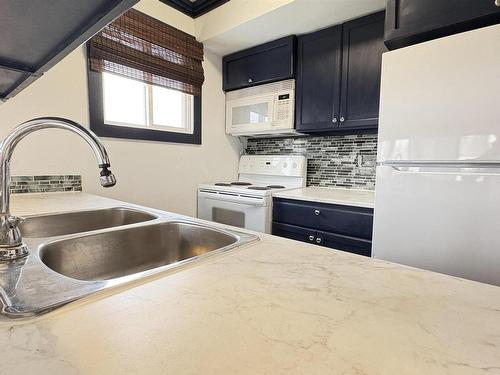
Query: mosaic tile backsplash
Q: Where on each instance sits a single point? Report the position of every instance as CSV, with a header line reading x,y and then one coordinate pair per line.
x,y
332,161
40,184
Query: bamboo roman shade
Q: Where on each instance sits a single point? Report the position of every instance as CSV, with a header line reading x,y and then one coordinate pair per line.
x,y
143,48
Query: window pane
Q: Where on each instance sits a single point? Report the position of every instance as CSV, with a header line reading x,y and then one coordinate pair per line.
x,y
169,107
124,100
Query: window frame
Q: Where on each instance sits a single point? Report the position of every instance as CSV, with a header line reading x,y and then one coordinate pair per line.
x,y
110,130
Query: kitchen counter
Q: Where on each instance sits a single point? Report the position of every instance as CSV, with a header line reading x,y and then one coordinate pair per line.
x,y
272,307
349,197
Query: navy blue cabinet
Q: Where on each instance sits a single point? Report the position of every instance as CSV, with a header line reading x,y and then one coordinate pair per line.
x,y
363,45
340,227
414,21
294,232
265,63
338,77
319,58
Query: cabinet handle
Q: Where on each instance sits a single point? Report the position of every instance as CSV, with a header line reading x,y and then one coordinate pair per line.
x,y
318,240
317,212
311,238
334,120
342,119
250,80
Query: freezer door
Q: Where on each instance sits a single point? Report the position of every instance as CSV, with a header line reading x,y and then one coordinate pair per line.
x,y
440,100
440,219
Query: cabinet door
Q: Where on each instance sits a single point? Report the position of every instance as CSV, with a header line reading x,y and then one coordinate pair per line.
x,y
294,232
326,239
318,80
345,243
363,45
269,62
415,21
340,219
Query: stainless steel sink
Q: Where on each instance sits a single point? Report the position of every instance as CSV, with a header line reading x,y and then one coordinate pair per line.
x,y
119,253
81,221
68,262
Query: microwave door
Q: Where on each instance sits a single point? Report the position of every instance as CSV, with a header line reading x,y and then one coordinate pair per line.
x,y
250,115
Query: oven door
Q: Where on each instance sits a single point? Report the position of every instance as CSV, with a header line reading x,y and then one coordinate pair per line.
x,y
250,115
252,213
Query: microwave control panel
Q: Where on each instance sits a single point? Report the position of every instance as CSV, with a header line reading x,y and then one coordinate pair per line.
x,y
284,108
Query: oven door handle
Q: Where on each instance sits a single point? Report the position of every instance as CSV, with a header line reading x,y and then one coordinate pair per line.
x,y
257,201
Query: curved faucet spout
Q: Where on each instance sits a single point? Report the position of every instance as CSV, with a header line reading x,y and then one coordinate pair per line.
x,y
11,245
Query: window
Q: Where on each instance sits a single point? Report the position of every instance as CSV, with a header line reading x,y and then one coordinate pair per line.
x,y
128,102
145,81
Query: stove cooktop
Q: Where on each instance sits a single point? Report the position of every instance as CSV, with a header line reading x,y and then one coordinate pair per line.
x,y
239,187
249,185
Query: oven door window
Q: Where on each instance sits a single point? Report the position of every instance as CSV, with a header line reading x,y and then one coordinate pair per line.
x,y
243,212
229,217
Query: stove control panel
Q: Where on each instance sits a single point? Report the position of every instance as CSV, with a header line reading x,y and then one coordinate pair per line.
x,y
276,165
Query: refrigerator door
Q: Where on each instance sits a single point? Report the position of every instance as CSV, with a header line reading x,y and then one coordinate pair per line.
x,y
440,218
440,100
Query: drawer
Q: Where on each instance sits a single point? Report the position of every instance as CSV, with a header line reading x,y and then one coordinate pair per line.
x,y
294,232
345,243
326,239
339,219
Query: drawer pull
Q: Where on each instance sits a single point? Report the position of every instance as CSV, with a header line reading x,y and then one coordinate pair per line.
x,y
318,240
317,212
311,238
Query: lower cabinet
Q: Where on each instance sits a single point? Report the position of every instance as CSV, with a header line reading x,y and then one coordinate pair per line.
x,y
338,227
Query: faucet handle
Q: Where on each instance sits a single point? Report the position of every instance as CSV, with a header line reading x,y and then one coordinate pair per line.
x,y
14,221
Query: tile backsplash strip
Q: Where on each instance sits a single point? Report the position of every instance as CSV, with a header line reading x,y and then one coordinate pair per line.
x,y
332,161
40,184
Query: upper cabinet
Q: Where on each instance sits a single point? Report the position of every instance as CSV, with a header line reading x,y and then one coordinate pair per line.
x,y
414,21
338,77
35,35
269,62
319,58
363,45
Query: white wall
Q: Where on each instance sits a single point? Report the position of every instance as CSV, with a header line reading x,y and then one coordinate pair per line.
x,y
232,14
240,24
157,174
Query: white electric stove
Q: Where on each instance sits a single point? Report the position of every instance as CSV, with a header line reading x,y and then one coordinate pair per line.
x,y
247,203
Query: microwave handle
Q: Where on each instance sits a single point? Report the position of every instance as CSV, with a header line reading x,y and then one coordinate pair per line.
x,y
258,202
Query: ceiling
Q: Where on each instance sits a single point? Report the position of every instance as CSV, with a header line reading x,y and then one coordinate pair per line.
x,y
194,8
295,17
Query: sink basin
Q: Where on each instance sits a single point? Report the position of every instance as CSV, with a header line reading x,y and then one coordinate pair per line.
x,y
78,262
81,221
127,251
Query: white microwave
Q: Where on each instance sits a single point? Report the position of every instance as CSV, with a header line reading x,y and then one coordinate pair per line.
x,y
261,110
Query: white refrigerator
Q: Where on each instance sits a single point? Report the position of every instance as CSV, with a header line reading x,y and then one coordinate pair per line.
x,y
437,194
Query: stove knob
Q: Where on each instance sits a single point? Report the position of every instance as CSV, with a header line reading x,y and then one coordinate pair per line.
x,y
311,238
285,165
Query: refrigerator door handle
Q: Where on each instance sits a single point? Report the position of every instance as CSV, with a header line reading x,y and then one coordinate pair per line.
x,y
441,164
444,167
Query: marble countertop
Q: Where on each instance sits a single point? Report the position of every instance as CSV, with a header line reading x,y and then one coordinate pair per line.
x,y
272,307
349,197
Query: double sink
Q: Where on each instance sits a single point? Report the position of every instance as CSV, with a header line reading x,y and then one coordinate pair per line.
x,y
78,253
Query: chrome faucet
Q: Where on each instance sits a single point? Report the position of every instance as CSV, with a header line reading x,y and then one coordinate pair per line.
x,y
11,242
